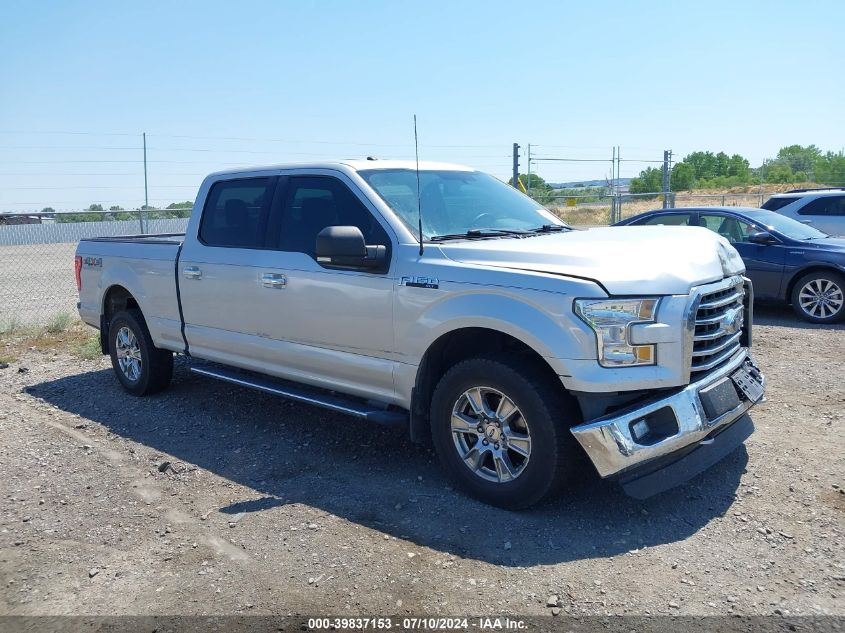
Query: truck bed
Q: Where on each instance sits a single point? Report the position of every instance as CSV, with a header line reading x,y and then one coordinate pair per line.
x,y
145,266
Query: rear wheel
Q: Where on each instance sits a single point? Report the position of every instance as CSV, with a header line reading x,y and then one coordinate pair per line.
x,y
819,297
501,430
141,367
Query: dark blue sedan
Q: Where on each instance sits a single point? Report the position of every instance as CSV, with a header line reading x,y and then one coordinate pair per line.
x,y
785,260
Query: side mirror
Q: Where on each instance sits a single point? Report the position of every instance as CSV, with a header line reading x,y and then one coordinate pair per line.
x,y
763,238
344,247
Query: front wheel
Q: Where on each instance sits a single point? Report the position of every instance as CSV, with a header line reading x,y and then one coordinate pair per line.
x,y
141,367
501,430
819,297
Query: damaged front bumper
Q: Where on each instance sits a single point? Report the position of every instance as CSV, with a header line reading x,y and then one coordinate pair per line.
x,y
644,441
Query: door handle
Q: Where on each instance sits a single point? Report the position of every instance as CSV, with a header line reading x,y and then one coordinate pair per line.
x,y
806,221
192,272
273,280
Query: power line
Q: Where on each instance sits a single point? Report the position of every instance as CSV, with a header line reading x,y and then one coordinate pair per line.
x,y
247,138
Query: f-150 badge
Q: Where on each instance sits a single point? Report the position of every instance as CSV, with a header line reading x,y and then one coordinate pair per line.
x,y
420,282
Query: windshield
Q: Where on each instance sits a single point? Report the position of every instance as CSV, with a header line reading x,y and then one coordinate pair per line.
x,y
786,226
456,202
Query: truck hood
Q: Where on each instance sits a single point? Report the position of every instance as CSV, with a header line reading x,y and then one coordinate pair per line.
x,y
625,260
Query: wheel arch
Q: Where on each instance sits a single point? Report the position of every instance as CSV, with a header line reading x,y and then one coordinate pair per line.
x,y
451,348
116,298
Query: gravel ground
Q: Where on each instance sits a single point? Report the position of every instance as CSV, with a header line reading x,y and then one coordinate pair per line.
x,y
212,499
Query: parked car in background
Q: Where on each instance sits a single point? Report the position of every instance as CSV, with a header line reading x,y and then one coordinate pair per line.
x,y
786,260
823,209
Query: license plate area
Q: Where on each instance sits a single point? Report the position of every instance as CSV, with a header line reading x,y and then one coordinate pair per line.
x,y
747,384
719,398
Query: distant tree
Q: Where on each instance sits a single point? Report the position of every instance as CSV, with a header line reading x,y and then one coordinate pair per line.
x,y
180,205
48,210
683,177
778,172
650,180
95,207
539,189
799,158
704,165
830,169
723,163
116,208
739,167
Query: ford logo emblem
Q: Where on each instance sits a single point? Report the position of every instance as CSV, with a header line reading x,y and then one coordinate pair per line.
x,y
731,322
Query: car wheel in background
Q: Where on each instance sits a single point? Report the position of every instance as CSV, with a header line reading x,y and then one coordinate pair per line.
x,y
819,297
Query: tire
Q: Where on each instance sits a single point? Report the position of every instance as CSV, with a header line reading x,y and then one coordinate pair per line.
x,y
130,341
819,297
503,476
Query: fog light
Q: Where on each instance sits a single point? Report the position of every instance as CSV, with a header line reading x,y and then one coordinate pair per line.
x,y
639,429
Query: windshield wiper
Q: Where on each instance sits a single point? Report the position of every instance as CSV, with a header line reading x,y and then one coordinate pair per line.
x,y
551,228
479,233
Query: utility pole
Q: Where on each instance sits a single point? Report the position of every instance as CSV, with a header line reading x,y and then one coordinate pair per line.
x,y
667,155
516,165
529,170
612,187
618,184
146,195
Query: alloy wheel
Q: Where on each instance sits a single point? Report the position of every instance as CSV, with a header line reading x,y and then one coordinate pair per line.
x,y
490,434
128,353
821,298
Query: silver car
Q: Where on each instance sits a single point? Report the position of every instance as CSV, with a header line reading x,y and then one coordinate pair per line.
x,y
823,209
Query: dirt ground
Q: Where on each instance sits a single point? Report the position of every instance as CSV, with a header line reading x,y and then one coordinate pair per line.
x,y
213,499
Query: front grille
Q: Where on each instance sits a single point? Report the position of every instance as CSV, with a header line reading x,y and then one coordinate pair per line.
x,y
719,328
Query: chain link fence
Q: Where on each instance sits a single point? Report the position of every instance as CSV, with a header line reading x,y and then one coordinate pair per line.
x,y
605,209
37,283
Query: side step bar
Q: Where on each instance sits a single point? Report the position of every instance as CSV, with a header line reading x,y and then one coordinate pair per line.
x,y
365,410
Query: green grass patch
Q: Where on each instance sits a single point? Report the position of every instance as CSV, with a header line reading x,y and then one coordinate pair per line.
x,y
60,323
88,348
11,325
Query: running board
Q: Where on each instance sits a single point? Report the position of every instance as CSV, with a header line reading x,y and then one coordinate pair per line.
x,y
365,410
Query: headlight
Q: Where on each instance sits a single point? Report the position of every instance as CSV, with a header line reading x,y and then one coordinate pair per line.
x,y
611,320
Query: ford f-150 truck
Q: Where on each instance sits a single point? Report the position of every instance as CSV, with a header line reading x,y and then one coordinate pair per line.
x,y
441,298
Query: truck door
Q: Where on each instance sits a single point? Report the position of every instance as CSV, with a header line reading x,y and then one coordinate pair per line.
x,y
220,272
336,325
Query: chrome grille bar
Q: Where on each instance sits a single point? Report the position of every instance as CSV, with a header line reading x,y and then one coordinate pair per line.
x,y
718,326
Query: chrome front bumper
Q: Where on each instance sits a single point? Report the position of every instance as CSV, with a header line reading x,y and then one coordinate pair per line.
x,y
609,441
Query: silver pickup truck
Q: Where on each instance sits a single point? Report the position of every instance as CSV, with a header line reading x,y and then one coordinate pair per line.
x,y
511,342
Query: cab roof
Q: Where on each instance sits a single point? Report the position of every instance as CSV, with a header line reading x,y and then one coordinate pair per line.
x,y
356,165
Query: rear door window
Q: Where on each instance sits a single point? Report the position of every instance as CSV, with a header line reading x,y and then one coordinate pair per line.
x,y
236,213
666,219
827,205
773,204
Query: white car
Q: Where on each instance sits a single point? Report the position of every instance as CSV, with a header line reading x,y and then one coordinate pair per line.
x,y
500,336
823,209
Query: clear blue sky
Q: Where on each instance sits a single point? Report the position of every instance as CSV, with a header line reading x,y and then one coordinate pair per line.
x,y
339,79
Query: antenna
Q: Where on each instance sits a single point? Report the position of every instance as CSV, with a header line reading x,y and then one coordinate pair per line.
x,y
419,203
